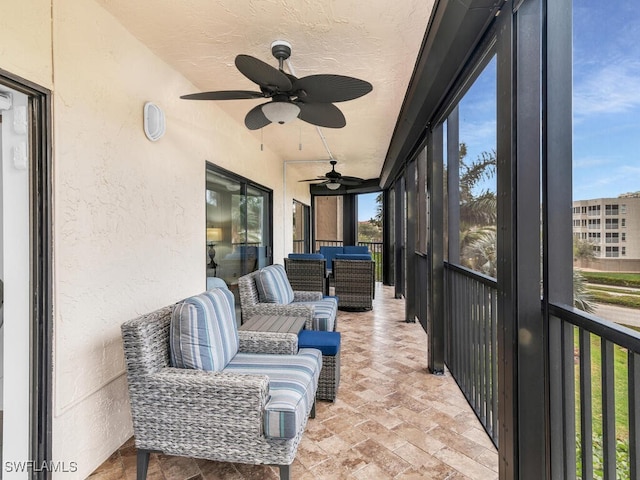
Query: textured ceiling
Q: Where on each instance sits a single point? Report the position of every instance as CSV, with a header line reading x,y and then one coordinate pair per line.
x,y
374,40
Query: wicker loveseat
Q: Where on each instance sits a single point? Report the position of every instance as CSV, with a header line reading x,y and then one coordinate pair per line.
x,y
268,292
247,401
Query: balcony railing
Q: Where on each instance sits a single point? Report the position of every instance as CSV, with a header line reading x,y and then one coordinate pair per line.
x,y
471,341
374,247
595,396
594,378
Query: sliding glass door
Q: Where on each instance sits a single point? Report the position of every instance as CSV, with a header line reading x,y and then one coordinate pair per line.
x,y
238,226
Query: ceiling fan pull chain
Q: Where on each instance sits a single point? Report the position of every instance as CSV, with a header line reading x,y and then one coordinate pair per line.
x,y
300,141
261,139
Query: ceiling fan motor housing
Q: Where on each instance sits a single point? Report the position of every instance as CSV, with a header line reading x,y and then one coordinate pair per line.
x,y
281,49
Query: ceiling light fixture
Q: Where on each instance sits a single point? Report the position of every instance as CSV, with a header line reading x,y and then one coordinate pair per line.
x,y
280,112
332,185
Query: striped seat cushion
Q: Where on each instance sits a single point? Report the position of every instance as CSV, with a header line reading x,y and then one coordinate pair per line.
x,y
203,332
324,316
273,285
293,381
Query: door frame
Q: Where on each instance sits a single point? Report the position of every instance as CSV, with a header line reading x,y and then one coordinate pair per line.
x,y
41,245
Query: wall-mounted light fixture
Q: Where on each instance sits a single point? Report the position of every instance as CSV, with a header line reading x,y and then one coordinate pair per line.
x,y
154,123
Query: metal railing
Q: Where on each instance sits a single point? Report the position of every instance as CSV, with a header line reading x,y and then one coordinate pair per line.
x,y
595,421
471,341
374,247
594,378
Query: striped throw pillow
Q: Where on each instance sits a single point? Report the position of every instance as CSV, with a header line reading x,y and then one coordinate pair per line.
x,y
203,332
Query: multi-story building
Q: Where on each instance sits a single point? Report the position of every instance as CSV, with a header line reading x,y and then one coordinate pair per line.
x,y
612,225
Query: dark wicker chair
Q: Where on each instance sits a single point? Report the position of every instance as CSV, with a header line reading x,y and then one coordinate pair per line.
x,y
307,275
354,283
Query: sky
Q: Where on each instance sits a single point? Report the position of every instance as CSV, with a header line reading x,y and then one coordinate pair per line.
x,y
606,104
606,101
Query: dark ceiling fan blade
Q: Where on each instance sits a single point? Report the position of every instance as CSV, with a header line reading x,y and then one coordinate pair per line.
x,y
332,88
255,119
350,181
262,73
223,95
319,179
321,114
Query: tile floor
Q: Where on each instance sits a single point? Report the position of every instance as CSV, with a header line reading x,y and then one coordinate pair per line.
x,y
392,418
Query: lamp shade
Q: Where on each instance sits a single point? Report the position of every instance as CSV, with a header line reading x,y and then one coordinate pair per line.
x,y
333,185
280,112
214,234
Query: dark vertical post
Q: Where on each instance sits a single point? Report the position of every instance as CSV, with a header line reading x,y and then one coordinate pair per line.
x,y
507,313
608,410
453,186
349,219
435,249
399,237
387,238
530,334
521,350
410,243
557,244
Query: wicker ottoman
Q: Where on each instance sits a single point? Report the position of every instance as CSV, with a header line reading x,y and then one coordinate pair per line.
x,y
329,344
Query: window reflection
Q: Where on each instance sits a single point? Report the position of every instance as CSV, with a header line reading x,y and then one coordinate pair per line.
x,y
477,170
238,219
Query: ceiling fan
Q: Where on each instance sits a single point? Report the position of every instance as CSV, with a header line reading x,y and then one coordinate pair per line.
x,y
308,98
333,180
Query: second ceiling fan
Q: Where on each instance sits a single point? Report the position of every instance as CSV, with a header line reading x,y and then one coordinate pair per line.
x,y
333,180
308,98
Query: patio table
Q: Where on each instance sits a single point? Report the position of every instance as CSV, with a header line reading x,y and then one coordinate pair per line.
x,y
274,323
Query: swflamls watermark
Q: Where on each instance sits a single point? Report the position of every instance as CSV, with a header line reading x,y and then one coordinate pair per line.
x,y
45,466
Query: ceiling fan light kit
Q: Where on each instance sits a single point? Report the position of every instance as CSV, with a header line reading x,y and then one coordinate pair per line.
x,y
280,112
311,98
333,185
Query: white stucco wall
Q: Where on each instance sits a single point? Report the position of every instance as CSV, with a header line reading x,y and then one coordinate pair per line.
x,y
25,40
129,214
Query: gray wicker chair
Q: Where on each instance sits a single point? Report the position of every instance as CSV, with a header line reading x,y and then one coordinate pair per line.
x,y
354,283
307,275
202,414
302,305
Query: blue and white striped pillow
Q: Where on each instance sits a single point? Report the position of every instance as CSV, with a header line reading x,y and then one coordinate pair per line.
x,y
203,333
273,285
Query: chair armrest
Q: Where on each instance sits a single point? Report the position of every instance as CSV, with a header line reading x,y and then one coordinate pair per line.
x,y
301,296
268,342
173,404
289,310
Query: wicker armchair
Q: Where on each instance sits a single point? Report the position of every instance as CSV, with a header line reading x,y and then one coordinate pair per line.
x,y
307,275
354,283
320,312
216,415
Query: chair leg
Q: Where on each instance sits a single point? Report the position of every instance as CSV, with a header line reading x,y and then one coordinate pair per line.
x,y
313,410
142,464
285,472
